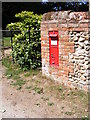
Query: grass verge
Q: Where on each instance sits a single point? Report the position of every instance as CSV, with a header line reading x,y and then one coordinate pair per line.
x,y
7,41
13,71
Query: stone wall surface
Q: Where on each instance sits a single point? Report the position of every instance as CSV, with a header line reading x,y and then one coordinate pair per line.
x,y
74,47
80,58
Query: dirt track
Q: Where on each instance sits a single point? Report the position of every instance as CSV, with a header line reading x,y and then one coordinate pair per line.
x,y
28,104
23,104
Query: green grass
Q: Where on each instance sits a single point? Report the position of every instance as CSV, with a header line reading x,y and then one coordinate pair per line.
x,y
45,98
19,83
16,77
13,71
19,88
81,93
50,103
59,88
38,81
7,41
63,96
6,62
27,74
37,90
28,87
68,113
31,72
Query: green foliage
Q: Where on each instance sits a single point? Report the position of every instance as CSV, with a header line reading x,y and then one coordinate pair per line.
x,y
38,90
26,54
85,118
50,103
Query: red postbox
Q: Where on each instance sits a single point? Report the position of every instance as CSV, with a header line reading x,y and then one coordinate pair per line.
x,y
54,48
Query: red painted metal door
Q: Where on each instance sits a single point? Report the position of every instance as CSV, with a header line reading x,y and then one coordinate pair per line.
x,y
53,47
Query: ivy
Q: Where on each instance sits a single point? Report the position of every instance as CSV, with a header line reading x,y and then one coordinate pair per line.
x,y
27,55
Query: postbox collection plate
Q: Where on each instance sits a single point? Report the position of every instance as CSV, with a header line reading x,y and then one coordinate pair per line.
x,y
53,42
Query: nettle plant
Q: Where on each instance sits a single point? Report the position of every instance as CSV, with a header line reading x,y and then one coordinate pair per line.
x,y
27,55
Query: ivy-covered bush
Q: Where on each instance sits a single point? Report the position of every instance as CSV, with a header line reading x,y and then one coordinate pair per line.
x,y
28,55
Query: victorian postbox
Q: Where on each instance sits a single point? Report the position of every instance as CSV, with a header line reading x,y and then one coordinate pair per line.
x,y
54,48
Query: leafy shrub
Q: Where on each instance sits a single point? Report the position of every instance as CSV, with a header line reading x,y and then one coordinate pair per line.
x,y
28,55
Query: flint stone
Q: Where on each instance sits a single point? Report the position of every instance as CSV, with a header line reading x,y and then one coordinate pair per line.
x,y
81,39
83,78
